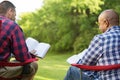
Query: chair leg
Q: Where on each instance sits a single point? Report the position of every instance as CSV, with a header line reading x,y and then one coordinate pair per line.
x,y
80,74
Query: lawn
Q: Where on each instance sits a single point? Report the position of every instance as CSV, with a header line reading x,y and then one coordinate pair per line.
x,y
52,67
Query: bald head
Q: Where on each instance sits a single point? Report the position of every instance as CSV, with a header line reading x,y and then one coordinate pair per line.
x,y
111,16
108,18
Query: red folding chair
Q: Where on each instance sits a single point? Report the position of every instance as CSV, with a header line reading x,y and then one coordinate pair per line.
x,y
2,64
96,68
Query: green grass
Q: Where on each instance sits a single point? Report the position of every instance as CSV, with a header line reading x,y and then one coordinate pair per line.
x,y
52,67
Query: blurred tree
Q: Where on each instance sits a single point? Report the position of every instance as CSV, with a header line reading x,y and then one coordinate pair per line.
x,y
65,24
111,4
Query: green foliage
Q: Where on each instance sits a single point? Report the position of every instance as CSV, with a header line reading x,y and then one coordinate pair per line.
x,y
65,24
112,4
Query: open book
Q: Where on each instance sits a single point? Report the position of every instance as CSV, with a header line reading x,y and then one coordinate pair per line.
x,y
75,58
41,48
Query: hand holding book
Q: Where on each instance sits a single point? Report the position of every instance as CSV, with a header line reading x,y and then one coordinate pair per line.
x,y
33,52
37,49
75,58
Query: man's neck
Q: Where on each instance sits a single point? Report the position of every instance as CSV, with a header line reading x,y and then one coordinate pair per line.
x,y
113,25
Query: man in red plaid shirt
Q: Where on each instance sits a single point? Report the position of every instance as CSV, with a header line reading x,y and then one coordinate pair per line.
x,y
12,41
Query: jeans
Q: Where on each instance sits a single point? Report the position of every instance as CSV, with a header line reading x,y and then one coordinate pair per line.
x,y
75,73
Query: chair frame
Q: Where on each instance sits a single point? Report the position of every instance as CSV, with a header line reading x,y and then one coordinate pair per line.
x,y
96,68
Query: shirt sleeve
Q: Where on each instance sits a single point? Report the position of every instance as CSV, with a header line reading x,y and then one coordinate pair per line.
x,y
19,48
93,52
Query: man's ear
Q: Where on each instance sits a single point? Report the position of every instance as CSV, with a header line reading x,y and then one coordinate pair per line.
x,y
106,22
9,12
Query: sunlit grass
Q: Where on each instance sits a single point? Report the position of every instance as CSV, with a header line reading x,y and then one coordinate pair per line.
x,y
52,67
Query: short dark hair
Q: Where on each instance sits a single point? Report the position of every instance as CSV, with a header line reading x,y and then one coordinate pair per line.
x,y
5,5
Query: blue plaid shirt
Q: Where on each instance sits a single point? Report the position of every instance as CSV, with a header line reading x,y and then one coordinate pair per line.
x,y
104,49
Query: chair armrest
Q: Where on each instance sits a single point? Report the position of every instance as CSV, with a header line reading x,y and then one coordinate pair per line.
x,y
97,68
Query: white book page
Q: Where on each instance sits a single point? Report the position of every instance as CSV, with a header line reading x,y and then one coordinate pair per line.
x,y
75,58
80,55
31,43
41,49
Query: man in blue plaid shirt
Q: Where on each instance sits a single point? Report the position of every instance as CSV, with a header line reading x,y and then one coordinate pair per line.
x,y
103,50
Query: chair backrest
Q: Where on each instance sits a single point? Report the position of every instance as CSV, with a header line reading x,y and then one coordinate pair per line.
x,y
97,68
2,64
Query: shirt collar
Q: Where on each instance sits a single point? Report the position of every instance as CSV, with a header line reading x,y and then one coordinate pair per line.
x,y
113,28
3,17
